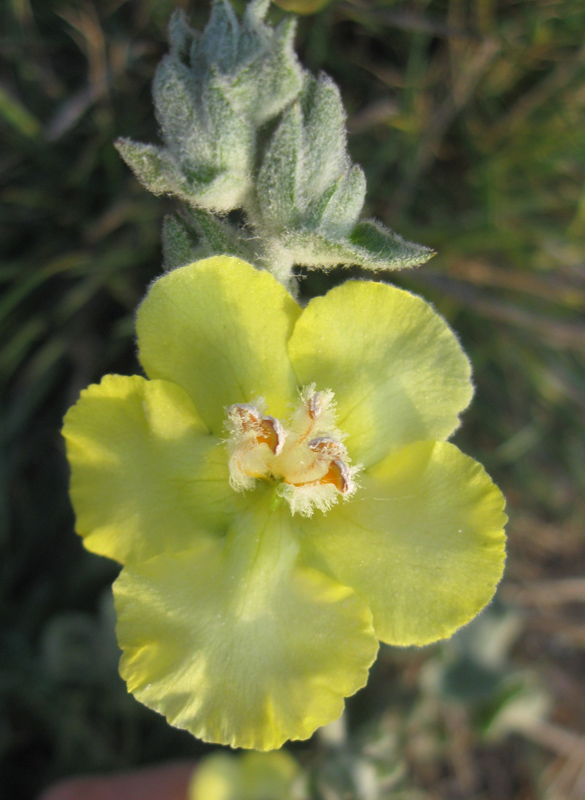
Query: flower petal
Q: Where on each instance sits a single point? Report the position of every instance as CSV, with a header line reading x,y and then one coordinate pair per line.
x,y
397,370
237,642
146,475
219,328
422,542
251,776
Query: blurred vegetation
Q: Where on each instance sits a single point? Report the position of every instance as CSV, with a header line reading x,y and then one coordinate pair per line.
x,y
468,118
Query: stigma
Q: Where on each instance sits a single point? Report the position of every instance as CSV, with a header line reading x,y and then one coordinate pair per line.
x,y
304,456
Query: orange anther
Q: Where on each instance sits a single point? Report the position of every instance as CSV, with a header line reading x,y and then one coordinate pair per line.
x,y
326,446
338,475
271,433
248,415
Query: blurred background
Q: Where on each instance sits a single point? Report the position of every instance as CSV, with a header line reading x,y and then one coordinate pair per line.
x,y
468,117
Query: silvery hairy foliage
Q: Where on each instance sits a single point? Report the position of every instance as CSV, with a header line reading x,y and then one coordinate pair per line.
x,y
245,128
212,93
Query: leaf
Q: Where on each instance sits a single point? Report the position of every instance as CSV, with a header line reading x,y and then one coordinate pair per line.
x,y
271,80
306,181
324,135
181,35
220,37
175,93
211,94
276,184
371,246
153,166
197,234
179,245
344,206
385,249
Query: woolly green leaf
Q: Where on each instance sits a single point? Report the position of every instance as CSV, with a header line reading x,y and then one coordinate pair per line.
x,y
222,193
220,38
324,134
153,166
276,185
198,185
174,92
231,137
181,35
199,125
256,11
345,203
312,249
197,234
370,246
180,246
306,181
262,88
211,145
211,93
386,249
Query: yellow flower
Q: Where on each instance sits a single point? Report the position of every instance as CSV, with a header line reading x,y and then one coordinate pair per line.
x,y
281,495
252,776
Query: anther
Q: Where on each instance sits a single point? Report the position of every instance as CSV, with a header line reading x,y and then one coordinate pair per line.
x,y
339,476
244,414
326,446
273,434
262,429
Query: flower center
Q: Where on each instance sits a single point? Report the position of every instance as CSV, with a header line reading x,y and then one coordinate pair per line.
x,y
306,456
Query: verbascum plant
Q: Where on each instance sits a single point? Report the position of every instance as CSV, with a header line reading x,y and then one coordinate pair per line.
x,y
279,488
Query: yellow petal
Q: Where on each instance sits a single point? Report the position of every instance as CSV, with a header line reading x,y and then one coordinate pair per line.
x,y
146,475
251,776
422,542
219,328
239,643
398,373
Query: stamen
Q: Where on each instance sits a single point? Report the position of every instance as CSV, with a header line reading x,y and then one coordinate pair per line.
x,y
247,422
246,413
329,447
307,459
339,476
273,434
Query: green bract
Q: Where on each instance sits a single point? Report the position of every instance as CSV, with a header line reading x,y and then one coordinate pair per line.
x,y
239,620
